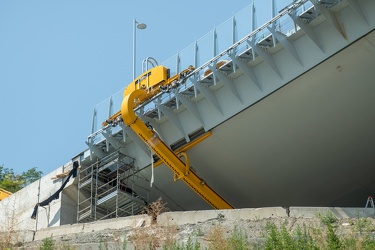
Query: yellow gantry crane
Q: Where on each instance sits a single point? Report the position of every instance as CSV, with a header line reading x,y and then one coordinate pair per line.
x,y
4,194
142,89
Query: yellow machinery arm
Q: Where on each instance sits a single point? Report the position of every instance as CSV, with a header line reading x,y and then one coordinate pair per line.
x,y
4,194
142,89
173,161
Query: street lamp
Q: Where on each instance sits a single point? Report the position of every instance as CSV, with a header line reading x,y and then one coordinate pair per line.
x,y
136,26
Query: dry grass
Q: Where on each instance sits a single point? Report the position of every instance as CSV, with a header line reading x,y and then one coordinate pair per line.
x,y
217,238
155,208
153,237
8,234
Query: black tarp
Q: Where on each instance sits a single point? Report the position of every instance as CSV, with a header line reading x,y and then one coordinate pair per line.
x,y
72,173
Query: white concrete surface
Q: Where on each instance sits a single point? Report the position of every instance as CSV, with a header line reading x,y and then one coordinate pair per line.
x,y
339,212
193,217
119,223
17,209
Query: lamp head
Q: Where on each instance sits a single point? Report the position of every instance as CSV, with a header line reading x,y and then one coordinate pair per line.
x,y
141,26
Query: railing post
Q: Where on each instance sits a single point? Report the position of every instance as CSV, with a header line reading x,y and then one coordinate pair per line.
x,y
214,43
196,54
110,107
178,62
233,29
253,18
93,121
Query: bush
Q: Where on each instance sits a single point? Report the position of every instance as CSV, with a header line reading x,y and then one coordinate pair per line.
x,y
155,208
283,239
47,244
327,218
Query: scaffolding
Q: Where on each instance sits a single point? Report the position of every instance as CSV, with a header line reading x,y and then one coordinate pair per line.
x,y
107,189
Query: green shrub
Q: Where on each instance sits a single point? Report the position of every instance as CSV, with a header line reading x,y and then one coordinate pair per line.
x,y
283,239
327,218
333,241
47,244
362,224
238,240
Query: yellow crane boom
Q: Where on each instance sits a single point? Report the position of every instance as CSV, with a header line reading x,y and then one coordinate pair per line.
x,y
140,90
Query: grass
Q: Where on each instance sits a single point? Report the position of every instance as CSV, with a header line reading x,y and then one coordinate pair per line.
x,y
9,236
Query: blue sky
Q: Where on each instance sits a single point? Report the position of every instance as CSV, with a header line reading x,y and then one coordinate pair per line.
x,y
58,59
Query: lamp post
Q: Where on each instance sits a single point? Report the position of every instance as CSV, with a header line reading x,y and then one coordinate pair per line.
x,y
136,26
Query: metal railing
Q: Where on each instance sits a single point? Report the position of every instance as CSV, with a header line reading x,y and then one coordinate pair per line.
x,y
218,44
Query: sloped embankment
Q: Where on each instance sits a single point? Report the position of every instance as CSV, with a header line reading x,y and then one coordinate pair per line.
x,y
218,229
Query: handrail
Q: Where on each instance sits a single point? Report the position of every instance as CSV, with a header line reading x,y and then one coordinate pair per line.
x,y
285,11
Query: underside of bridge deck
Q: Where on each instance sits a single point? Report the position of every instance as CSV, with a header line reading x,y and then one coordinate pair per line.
x,y
310,143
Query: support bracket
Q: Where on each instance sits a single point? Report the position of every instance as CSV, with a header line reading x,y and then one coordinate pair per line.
x,y
192,107
310,32
288,45
268,58
210,96
173,118
226,80
331,18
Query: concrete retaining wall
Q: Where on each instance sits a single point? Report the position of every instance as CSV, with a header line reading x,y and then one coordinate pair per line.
x,y
339,212
196,217
119,223
16,210
193,217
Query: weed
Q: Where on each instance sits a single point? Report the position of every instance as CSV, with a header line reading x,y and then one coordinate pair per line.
x,y
63,246
349,243
283,239
333,241
189,246
155,208
327,218
217,239
192,246
304,240
103,245
198,232
151,238
47,244
286,238
154,237
124,244
272,237
238,240
368,243
9,236
362,224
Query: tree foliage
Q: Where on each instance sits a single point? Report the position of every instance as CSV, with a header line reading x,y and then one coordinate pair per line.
x,y
12,182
